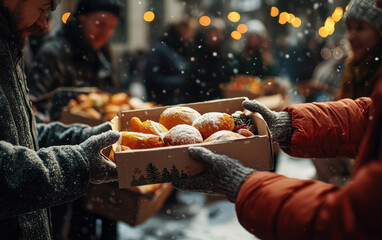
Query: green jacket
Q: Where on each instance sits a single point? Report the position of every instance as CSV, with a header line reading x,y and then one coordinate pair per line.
x,y
33,175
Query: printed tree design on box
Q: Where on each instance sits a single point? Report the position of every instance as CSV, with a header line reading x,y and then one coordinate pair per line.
x,y
183,175
174,173
142,180
166,175
134,182
153,174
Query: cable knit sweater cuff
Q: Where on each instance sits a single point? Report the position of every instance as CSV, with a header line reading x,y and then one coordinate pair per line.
x,y
283,129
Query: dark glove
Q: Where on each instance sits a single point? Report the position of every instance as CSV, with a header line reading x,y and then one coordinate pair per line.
x,y
222,175
279,123
91,131
102,170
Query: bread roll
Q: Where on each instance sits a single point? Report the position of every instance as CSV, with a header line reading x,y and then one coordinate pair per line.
x,y
182,134
212,122
178,115
224,135
135,140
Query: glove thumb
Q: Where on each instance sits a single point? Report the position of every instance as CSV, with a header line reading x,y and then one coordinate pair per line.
x,y
98,142
255,106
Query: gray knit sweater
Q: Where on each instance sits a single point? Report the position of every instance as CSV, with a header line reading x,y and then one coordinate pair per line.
x,y
33,175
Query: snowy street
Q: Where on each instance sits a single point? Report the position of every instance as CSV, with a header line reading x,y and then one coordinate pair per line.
x,y
194,219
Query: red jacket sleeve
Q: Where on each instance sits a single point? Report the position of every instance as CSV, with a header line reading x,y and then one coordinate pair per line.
x,y
332,129
272,206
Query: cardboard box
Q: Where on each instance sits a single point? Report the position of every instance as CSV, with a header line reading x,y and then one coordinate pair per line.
x,y
107,200
69,118
231,93
147,166
129,206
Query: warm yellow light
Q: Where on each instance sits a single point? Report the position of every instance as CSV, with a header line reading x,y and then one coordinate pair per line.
x,y
329,22
339,10
236,35
149,16
347,7
65,17
323,32
242,28
331,30
284,18
274,11
336,17
234,16
337,14
291,18
296,22
205,21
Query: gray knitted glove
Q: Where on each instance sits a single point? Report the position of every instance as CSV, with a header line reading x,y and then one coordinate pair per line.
x,y
102,170
92,131
279,123
222,175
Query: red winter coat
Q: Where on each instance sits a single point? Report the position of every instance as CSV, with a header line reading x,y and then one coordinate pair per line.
x,y
272,206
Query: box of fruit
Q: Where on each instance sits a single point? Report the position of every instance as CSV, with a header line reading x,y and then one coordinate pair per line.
x,y
154,144
97,107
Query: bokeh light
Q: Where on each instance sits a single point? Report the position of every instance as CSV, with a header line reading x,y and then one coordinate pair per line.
x,y
205,21
234,16
296,22
65,17
284,18
338,14
236,35
274,11
242,28
329,23
149,16
291,18
323,32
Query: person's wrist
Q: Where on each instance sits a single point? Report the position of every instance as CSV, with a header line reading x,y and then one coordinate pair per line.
x,y
283,129
231,184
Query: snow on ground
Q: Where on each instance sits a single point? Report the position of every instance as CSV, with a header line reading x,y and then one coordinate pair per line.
x,y
192,218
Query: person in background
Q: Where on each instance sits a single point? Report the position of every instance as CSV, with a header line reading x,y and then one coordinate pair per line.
x,y
256,58
272,206
35,40
168,66
362,68
76,55
211,63
42,165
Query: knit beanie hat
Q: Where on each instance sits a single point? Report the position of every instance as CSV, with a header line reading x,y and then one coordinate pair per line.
x,y
54,4
88,6
367,11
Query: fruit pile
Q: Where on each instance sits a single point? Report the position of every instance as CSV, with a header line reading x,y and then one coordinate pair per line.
x,y
104,106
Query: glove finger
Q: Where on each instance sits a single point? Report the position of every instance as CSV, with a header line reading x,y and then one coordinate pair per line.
x,y
255,106
104,127
202,155
105,139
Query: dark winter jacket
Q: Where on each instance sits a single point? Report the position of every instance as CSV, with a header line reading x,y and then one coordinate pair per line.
x,y
167,72
33,175
66,59
275,207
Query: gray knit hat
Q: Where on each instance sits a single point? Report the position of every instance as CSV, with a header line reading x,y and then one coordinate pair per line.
x,y
365,10
54,4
